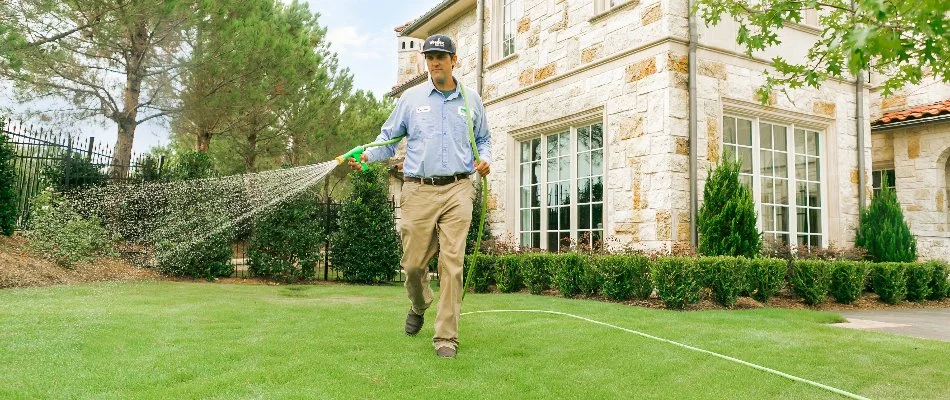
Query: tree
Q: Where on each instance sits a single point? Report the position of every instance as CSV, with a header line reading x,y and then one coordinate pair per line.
x,y
882,230
900,40
727,218
9,207
117,59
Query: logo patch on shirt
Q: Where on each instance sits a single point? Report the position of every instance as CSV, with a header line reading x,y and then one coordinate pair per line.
x,y
463,111
423,109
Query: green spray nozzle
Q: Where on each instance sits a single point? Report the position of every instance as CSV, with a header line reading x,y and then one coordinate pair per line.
x,y
356,154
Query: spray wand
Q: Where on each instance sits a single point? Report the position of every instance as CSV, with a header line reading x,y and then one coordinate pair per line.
x,y
357,152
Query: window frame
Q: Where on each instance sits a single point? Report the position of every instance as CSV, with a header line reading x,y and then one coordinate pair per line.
x,y
791,152
499,28
876,188
544,180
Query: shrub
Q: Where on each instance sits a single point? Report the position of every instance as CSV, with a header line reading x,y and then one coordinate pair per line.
x,y
591,279
285,242
624,276
765,277
939,281
677,281
208,258
147,170
59,233
366,247
536,270
568,270
192,165
9,207
918,281
71,171
890,282
483,273
848,280
811,279
725,276
473,227
727,220
508,273
883,232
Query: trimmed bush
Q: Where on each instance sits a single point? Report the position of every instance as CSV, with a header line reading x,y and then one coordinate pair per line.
x,y
918,281
591,278
890,282
766,276
811,279
60,234
568,271
9,207
73,171
677,281
725,276
191,165
209,259
624,277
286,241
882,230
939,281
727,220
536,271
483,275
848,280
366,247
508,273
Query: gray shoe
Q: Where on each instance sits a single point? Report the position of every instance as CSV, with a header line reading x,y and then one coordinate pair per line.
x,y
413,323
445,352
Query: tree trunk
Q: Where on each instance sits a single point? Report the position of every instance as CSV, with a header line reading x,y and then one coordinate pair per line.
x,y
250,158
126,119
204,141
122,157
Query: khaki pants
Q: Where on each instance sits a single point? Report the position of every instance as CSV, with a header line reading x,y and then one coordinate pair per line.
x,y
436,218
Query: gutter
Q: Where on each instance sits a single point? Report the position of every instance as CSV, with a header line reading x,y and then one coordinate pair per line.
x,y
480,58
912,122
693,127
859,103
426,17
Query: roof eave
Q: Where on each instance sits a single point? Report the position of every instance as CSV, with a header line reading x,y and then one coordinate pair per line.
x,y
437,17
910,122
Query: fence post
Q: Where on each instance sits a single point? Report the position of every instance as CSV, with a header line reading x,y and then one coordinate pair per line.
x,y
69,165
326,244
161,165
89,149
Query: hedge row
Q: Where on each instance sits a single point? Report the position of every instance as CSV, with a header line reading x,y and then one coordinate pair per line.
x,y
679,281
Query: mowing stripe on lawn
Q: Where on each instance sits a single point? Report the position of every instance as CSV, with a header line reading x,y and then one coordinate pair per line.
x,y
724,357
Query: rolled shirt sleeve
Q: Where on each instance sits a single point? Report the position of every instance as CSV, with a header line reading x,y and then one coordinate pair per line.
x,y
394,126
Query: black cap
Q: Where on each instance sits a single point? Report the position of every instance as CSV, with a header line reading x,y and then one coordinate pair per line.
x,y
440,43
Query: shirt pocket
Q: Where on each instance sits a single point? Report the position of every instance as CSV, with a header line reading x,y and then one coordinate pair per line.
x,y
459,121
421,125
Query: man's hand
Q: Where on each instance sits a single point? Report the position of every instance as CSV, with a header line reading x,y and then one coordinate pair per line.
x,y
355,165
483,168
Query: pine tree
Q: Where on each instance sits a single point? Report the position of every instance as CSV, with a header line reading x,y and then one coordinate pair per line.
x,y
727,218
8,194
366,247
882,230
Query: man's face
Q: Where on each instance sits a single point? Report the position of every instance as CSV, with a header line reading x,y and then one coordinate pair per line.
x,y
440,66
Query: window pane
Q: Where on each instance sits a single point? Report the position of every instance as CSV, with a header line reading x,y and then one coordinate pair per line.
x,y
564,143
596,136
800,167
525,240
553,244
583,217
597,239
779,135
597,189
536,219
780,163
598,216
583,190
891,178
565,168
583,165
597,162
814,221
565,218
815,240
745,132
553,195
765,136
565,193
583,139
802,240
535,196
728,152
814,195
768,218
802,194
765,160
812,143
552,219
536,149
746,153
876,179
552,169
813,173
799,141
525,220
525,174
525,151
729,130
802,219
746,181
552,146
781,191
536,240
525,197
781,219
535,173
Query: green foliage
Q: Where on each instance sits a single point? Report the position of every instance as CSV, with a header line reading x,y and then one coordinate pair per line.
x,y
147,170
473,227
207,258
624,277
848,279
568,273
890,281
59,233
677,281
536,271
73,171
286,241
939,281
483,275
883,232
591,279
897,40
508,273
366,247
727,218
192,165
918,281
811,279
725,276
766,277
9,199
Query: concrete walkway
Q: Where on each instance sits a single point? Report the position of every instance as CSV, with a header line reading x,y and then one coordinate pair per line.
x,y
932,323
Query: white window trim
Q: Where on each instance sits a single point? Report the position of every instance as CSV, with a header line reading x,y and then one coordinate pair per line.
x,y
498,31
601,10
792,173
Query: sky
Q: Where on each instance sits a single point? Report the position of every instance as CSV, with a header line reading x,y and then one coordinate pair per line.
x,y
360,32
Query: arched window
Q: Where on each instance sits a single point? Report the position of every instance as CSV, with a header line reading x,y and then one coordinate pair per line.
x,y
403,45
412,45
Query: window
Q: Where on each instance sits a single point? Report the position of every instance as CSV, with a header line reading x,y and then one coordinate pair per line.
x,y
506,30
879,176
567,167
603,6
766,151
810,17
412,45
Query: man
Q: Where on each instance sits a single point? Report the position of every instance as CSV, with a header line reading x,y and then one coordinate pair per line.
x,y
437,196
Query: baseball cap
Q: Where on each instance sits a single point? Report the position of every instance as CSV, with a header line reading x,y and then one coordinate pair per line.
x,y
440,43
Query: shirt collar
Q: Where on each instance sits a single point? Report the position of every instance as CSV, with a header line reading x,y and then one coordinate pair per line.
x,y
430,87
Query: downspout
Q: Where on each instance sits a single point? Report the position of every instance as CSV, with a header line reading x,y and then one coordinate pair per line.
x,y
693,126
859,101
480,57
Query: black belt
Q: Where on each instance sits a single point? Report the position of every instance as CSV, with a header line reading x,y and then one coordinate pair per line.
x,y
437,180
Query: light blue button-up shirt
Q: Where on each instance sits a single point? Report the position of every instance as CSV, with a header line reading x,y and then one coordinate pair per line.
x,y
438,142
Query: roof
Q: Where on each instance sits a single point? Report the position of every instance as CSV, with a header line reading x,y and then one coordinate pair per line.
x,y
408,84
436,17
403,27
920,114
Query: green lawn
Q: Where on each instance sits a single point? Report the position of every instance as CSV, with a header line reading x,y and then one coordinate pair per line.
x,y
192,340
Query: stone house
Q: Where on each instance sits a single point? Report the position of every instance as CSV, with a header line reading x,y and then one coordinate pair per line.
x,y
607,115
